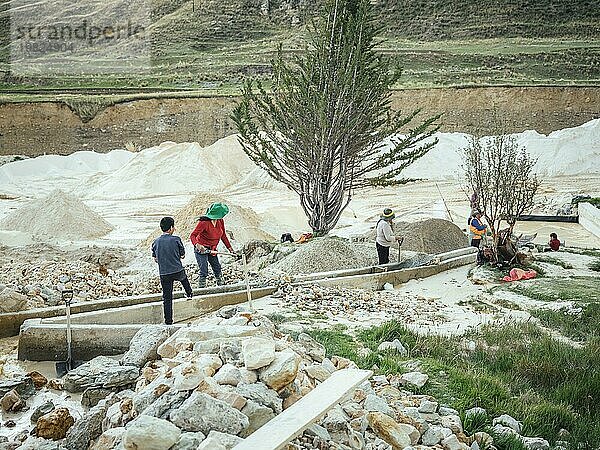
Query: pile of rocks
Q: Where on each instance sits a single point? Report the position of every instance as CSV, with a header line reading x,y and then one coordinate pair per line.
x,y
211,384
38,285
356,303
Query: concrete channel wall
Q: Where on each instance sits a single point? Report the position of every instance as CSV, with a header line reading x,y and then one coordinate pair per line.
x,y
589,218
108,332
10,323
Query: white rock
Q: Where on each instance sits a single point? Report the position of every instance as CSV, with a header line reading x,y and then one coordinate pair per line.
x,y
228,374
508,421
150,433
189,441
217,441
501,429
258,352
257,415
395,345
535,443
446,411
282,371
388,287
201,412
452,443
144,345
453,422
428,407
318,372
417,379
411,431
188,376
434,435
109,439
375,403
247,376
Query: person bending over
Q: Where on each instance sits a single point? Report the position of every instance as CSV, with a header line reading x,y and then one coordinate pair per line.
x,y
168,251
206,237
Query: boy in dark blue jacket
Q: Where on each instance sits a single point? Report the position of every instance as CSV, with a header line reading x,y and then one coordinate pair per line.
x,y
168,251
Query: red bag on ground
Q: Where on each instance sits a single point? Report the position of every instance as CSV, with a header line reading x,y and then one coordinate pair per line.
x,y
520,274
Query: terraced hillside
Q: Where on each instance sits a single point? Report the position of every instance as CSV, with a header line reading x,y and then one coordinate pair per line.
x,y
207,43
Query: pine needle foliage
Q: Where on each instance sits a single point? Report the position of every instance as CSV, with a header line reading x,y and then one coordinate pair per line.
x,y
327,128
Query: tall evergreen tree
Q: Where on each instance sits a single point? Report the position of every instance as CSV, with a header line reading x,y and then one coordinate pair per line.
x,y
327,127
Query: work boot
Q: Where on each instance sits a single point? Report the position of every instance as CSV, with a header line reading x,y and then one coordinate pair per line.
x,y
220,281
202,282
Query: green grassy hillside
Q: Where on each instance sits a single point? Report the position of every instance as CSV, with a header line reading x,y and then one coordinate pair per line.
x,y
205,43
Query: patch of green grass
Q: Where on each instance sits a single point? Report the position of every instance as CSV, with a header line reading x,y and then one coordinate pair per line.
x,y
580,324
555,261
583,251
595,201
595,265
517,369
582,289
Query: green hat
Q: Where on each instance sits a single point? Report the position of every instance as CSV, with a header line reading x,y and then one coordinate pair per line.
x,y
217,211
388,214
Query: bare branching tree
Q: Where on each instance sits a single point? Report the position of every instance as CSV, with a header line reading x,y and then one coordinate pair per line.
x,y
501,173
321,130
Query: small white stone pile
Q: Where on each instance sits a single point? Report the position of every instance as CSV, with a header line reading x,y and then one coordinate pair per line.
x,y
356,303
213,383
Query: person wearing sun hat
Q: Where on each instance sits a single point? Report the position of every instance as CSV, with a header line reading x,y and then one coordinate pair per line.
x,y
385,235
206,237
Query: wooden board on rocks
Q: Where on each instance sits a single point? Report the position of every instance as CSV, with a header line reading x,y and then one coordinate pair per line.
x,y
294,420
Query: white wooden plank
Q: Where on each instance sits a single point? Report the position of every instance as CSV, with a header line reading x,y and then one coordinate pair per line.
x,y
294,420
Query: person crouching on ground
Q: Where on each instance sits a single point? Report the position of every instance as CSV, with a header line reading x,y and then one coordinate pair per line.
x,y
554,243
206,237
168,251
477,230
385,235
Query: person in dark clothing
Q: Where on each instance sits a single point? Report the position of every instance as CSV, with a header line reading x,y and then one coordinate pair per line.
x,y
168,251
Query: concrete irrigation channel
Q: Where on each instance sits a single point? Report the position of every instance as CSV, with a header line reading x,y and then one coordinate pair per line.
x,y
106,327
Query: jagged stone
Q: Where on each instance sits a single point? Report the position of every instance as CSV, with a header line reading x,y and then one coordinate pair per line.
x,y
257,415
150,433
258,352
203,413
261,394
389,430
144,345
55,424
219,441
189,441
100,372
88,428
282,371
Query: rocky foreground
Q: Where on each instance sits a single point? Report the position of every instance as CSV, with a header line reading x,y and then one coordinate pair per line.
x,y
209,385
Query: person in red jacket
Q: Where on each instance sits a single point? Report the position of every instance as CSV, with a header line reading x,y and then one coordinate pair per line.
x,y
206,237
554,243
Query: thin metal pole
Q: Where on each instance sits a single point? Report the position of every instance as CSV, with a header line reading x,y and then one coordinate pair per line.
x,y
247,278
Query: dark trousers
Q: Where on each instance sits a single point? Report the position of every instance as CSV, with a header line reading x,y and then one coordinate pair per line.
x,y
383,253
203,260
166,281
476,243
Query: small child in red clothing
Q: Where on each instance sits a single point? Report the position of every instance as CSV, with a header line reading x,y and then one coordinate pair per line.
x,y
554,242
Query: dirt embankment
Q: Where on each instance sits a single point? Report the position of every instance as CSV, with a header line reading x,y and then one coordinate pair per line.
x,y
52,127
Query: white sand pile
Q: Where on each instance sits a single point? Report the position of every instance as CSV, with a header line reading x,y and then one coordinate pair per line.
x,y
48,172
430,236
325,254
241,224
572,151
183,168
58,215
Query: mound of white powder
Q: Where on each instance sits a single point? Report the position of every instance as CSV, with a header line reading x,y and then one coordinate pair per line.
x,y
58,215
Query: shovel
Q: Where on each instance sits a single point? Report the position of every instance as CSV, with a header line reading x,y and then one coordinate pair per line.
x,y
62,367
